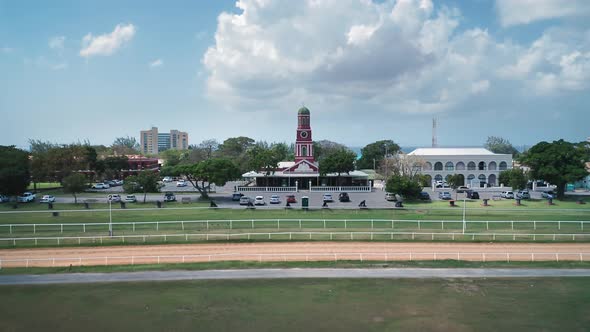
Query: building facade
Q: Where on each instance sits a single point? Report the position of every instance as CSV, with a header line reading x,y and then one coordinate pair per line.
x,y
153,142
479,167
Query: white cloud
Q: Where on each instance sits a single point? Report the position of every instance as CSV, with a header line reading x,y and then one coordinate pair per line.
x,y
156,63
107,44
403,56
515,12
57,43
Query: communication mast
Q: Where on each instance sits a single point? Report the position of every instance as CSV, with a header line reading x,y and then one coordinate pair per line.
x,y
434,142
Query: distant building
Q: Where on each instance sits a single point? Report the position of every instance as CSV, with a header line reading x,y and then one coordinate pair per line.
x,y
153,142
479,167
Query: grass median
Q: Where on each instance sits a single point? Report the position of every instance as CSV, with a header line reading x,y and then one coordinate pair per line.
x,y
302,304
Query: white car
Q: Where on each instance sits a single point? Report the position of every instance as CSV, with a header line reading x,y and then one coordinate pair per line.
x,y
26,197
181,183
259,200
130,199
274,199
507,194
118,182
167,179
101,185
245,200
327,198
47,199
115,198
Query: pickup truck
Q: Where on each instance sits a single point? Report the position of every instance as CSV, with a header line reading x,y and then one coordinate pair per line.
x,y
26,197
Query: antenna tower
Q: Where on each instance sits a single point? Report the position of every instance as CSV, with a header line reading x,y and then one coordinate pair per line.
x,y
434,142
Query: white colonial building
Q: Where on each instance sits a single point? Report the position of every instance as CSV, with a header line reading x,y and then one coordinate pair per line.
x,y
479,166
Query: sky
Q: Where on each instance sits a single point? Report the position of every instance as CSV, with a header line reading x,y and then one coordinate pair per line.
x,y
74,71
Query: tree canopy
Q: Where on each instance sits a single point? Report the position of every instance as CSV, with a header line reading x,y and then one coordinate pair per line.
x,y
404,186
202,174
125,145
558,163
500,145
373,153
14,171
146,181
514,178
73,184
337,161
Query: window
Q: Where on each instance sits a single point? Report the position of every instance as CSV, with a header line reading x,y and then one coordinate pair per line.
x,y
492,166
503,166
449,166
471,166
438,166
417,168
438,177
481,166
427,166
460,166
482,178
304,151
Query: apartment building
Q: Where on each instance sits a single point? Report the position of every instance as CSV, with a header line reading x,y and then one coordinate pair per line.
x,y
153,142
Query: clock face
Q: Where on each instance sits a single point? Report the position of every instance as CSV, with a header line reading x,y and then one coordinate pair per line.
x,y
303,134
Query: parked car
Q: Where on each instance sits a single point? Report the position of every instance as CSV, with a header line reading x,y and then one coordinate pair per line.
x,y
343,197
507,194
291,199
167,179
181,183
390,197
27,197
462,189
523,194
546,194
259,200
169,197
236,197
245,200
130,199
118,182
444,195
424,196
4,199
115,198
327,198
111,183
472,194
274,199
101,185
47,199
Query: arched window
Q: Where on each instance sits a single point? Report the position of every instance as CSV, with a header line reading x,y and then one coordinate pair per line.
x,y
449,166
481,166
447,177
438,177
471,166
417,167
438,166
427,166
460,166
492,179
503,166
492,166
470,177
304,151
482,178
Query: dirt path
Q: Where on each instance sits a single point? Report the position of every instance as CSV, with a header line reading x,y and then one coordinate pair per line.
x,y
293,251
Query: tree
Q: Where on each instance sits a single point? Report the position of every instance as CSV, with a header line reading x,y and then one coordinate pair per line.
x,y
261,157
514,178
558,163
373,153
500,145
338,161
325,147
146,181
14,171
202,174
404,186
402,164
73,184
235,147
455,181
125,145
173,157
115,164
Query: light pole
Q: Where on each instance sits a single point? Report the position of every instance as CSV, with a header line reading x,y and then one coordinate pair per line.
x,y
110,216
464,199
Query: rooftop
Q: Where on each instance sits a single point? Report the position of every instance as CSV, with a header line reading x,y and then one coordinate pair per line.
x,y
450,152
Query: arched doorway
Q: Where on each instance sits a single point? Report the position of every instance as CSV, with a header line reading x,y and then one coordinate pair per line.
x,y
482,180
492,179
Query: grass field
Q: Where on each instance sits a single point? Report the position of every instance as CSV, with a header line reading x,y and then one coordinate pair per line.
x,y
302,305
44,185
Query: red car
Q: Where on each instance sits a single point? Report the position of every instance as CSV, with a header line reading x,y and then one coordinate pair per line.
x,y
291,199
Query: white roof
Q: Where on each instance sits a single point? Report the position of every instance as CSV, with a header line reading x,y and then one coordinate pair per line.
x,y
286,164
450,152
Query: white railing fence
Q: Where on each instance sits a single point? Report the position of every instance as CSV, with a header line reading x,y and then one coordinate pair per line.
x,y
267,189
292,236
333,256
286,224
354,189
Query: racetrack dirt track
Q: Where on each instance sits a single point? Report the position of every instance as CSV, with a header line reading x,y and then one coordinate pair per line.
x,y
292,251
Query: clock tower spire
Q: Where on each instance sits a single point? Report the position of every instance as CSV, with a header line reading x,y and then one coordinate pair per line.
x,y
303,142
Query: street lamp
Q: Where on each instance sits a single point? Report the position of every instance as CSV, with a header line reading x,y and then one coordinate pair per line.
x,y
110,199
464,200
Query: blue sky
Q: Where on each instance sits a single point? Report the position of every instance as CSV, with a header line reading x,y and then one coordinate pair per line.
x,y
95,70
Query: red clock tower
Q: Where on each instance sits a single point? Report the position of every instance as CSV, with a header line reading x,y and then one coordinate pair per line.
x,y
303,143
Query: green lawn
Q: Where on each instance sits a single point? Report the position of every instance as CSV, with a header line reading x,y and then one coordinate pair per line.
x,y
302,305
44,185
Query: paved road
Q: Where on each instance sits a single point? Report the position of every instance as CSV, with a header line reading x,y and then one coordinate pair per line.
x,y
288,274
